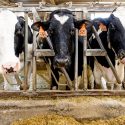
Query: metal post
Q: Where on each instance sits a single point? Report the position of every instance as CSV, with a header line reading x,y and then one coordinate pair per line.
x,y
107,57
26,52
34,80
85,80
34,62
76,60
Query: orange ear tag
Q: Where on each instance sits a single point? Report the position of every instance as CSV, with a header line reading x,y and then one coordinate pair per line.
x,y
83,31
42,32
102,27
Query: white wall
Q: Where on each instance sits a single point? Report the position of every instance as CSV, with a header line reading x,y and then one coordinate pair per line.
x,y
99,14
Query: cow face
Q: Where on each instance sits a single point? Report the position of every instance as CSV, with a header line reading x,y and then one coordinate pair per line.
x,y
115,34
60,27
20,36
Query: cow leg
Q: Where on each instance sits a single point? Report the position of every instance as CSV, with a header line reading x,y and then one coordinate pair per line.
x,y
90,78
103,83
54,84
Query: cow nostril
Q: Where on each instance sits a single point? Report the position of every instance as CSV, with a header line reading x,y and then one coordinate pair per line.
x,y
11,69
62,61
66,60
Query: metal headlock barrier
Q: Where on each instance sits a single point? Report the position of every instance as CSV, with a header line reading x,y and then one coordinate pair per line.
x,y
50,52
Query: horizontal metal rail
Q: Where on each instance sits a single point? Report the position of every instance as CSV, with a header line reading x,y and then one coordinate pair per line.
x,y
58,93
95,52
50,9
44,52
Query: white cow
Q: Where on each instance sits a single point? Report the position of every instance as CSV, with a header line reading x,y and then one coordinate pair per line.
x,y
9,63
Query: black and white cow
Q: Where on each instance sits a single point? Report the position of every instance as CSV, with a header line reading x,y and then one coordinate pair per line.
x,y
113,39
61,29
12,35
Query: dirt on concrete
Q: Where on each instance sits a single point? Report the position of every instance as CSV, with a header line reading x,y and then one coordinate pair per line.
x,y
83,109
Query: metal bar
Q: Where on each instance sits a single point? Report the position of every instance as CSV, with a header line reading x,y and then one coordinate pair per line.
x,y
34,62
44,52
35,17
95,52
107,57
50,9
76,61
26,52
85,79
69,82
49,42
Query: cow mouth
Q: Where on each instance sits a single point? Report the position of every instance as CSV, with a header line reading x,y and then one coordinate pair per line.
x,y
121,56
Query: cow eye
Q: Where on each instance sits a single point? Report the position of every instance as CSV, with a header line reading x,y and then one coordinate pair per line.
x,y
50,31
111,26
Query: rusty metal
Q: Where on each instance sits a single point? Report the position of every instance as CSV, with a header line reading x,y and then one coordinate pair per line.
x,y
25,53
35,18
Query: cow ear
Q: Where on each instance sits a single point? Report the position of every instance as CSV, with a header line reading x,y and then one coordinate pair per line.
x,y
102,27
36,26
79,23
101,23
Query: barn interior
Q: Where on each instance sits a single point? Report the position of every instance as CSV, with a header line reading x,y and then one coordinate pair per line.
x,y
57,2
90,108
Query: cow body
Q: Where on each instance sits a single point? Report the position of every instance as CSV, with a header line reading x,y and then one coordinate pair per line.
x,y
113,40
12,33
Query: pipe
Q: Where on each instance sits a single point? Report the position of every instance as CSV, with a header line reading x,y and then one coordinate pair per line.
x,y
26,52
76,61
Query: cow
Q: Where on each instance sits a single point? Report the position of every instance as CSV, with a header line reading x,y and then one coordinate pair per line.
x,y
61,28
113,38
12,33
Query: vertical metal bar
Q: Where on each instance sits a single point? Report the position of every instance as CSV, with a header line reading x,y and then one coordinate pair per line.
x,y
34,80
85,80
76,60
84,77
34,62
107,57
26,51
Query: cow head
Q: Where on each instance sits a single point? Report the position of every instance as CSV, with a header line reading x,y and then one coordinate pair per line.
x,y
115,34
61,28
19,37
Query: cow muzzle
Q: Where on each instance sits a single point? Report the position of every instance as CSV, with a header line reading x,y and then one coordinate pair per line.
x,y
10,67
62,62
